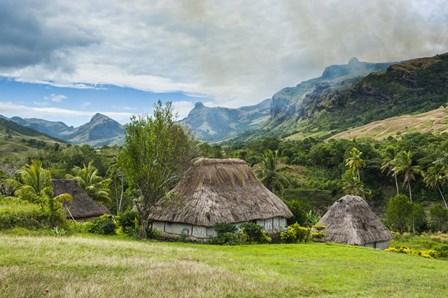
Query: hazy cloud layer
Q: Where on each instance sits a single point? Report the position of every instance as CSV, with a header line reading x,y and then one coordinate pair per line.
x,y
237,52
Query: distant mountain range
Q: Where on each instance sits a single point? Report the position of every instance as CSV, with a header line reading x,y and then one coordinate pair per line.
x,y
99,131
273,116
342,98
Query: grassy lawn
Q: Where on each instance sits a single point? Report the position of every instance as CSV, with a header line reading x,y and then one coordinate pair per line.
x,y
34,266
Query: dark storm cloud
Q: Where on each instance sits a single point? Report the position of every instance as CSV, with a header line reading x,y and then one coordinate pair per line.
x,y
27,38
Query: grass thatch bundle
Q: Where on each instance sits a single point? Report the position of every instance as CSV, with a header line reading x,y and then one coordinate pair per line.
x,y
351,221
82,206
216,191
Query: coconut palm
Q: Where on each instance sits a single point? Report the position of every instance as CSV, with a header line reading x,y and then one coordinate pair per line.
x,y
387,156
355,162
96,186
34,184
351,183
402,164
270,175
437,176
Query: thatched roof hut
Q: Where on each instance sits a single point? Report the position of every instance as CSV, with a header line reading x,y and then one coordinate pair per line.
x,y
82,207
219,190
351,221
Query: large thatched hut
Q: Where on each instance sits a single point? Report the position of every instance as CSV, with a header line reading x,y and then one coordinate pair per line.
x,y
351,221
82,207
218,191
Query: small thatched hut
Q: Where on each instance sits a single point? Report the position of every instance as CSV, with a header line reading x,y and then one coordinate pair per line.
x,y
218,191
82,207
351,221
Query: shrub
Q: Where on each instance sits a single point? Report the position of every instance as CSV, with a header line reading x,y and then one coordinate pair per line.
x,y
227,234
129,221
295,233
253,233
103,225
17,213
428,253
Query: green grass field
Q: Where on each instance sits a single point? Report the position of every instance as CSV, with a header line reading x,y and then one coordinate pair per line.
x,y
82,266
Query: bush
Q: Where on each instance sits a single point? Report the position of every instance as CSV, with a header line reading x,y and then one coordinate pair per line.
x,y
129,221
253,233
295,234
17,213
103,225
428,253
227,234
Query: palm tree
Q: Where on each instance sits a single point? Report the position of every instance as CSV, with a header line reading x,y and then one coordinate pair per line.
x,y
402,164
270,175
351,183
387,156
355,162
96,186
437,176
117,177
34,184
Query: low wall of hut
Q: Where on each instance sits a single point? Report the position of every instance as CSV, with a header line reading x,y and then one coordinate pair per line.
x,y
378,245
275,224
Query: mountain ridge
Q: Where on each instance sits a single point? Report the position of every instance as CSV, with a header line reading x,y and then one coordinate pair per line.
x,y
99,131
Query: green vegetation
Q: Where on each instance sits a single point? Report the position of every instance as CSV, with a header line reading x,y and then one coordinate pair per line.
x,y
93,266
156,153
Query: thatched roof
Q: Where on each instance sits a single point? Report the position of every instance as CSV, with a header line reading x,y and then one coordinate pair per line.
x,y
351,221
219,190
81,206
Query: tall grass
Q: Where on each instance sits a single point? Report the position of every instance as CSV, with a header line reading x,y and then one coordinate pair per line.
x,y
109,267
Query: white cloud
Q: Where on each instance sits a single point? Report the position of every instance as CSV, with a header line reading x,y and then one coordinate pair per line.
x,y
236,52
182,108
85,104
58,98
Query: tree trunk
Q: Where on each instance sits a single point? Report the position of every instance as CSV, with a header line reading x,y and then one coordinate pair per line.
x,y
443,197
410,198
396,184
143,227
121,194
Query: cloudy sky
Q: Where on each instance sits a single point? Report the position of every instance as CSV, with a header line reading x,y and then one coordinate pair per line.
x,y
65,60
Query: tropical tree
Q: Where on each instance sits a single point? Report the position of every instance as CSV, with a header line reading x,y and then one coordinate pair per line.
x,y
355,162
388,155
402,164
434,178
156,153
116,174
270,175
34,185
88,179
351,183
399,212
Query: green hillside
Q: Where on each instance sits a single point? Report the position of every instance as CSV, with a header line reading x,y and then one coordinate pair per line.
x,y
414,86
107,267
17,140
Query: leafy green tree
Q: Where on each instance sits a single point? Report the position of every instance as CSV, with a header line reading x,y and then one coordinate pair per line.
x,y
403,164
270,175
439,217
399,211
156,153
96,186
